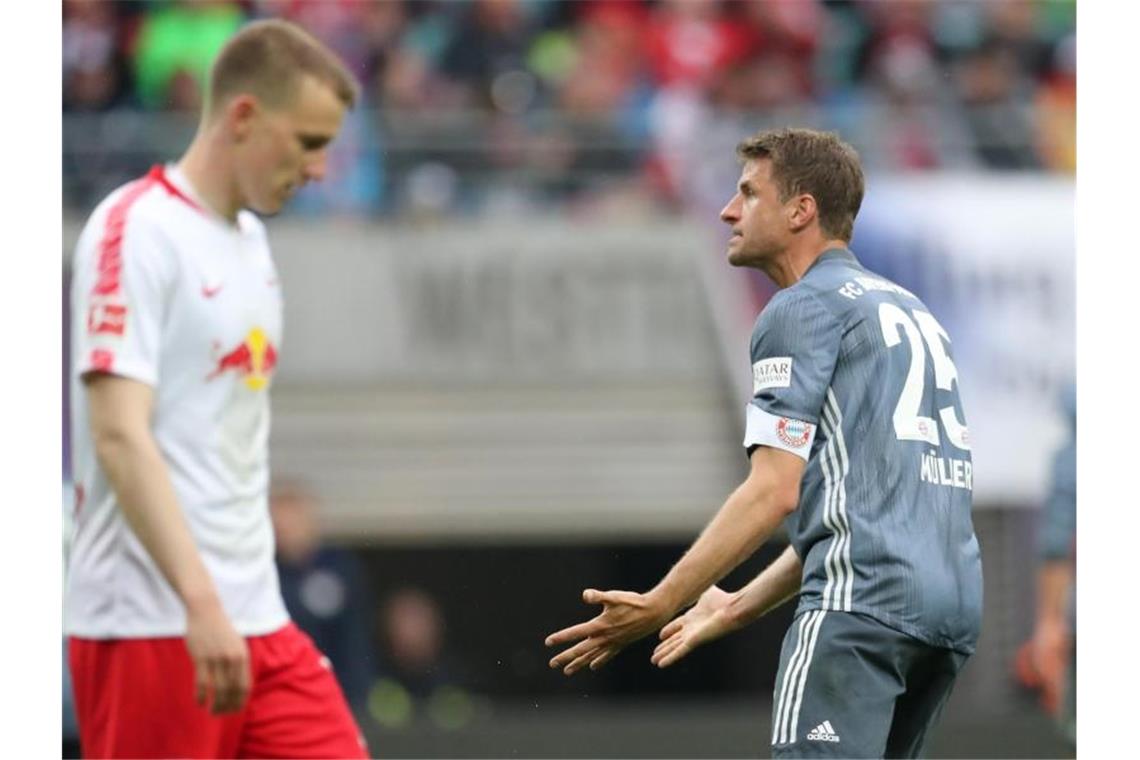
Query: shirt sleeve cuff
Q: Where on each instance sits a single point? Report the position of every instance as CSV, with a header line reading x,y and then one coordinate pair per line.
x,y
106,361
791,435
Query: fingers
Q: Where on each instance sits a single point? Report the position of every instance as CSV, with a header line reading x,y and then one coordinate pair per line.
x,y
574,632
563,659
219,688
593,596
670,655
244,683
582,661
662,649
231,683
202,683
602,659
674,625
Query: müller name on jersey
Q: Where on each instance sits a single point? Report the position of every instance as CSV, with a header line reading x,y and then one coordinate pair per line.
x,y
946,471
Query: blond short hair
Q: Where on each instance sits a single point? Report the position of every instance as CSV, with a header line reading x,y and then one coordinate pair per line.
x,y
269,58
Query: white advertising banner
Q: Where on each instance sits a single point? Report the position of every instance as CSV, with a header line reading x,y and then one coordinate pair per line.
x,y
993,256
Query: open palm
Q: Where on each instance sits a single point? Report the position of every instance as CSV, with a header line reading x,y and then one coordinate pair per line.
x,y
705,621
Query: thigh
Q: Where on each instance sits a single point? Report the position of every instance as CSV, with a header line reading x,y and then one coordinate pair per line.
x,y
836,687
930,678
135,698
297,709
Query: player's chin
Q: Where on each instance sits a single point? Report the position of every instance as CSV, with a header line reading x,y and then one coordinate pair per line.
x,y
738,257
270,207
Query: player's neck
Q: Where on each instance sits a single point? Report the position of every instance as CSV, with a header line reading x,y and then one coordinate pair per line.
x,y
202,165
790,268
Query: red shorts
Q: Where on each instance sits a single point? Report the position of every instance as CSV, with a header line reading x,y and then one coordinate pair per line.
x,y
135,698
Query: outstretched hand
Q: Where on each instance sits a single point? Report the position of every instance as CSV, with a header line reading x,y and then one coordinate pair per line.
x,y
707,620
626,616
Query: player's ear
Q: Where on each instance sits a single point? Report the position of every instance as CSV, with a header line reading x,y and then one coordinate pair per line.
x,y
801,211
241,111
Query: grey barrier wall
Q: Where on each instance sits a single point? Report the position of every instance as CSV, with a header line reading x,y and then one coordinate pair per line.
x,y
501,380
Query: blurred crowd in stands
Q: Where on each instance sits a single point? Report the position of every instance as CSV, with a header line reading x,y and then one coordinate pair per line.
x,y
555,94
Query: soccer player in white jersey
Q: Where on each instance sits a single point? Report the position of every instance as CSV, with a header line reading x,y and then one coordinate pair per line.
x,y
180,645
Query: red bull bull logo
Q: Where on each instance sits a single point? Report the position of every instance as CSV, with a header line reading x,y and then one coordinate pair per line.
x,y
254,360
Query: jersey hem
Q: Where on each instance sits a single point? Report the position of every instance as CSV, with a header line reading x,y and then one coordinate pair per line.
x,y
917,632
164,631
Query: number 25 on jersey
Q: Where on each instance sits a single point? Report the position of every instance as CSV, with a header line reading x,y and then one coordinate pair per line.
x,y
909,424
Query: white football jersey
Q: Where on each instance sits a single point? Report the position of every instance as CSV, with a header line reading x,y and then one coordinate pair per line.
x,y
169,293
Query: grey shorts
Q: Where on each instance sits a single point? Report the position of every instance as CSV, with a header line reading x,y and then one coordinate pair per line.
x,y
850,686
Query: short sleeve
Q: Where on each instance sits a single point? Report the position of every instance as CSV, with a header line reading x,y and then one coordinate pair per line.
x,y
123,269
794,349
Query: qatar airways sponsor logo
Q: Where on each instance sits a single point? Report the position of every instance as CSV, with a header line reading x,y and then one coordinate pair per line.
x,y
775,372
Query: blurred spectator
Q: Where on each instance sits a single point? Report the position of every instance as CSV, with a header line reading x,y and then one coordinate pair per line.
x,y
486,56
1047,662
361,32
893,25
176,43
1015,25
94,68
415,672
597,74
689,47
789,31
514,103
907,117
323,588
996,93
689,44
1056,108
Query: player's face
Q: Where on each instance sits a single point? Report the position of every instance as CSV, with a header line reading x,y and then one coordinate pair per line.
x,y
758,219
287,147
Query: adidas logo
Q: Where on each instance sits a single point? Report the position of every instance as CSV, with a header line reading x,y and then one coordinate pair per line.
x,y
823,733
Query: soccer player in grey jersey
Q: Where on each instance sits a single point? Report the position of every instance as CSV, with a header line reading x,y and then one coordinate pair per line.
x,y
858,444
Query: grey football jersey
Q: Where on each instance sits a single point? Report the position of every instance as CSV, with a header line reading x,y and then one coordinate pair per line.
x,y
852,373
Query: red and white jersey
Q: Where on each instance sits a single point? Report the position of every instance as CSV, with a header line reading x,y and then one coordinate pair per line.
x,y
170,294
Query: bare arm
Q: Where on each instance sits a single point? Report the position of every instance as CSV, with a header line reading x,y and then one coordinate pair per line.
x,y
120,412
1054,582
772,587
718,613
749,516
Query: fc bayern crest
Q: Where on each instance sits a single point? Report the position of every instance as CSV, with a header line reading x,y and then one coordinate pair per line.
x,y
793,432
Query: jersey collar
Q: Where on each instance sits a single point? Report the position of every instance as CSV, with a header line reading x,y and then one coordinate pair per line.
x,y
178,185
832,254
163,176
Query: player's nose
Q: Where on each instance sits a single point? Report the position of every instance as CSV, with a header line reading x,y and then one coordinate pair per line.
x,y
729,214
316,168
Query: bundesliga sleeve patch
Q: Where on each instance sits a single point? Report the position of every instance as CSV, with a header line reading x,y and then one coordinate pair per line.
x,y
772,373
108,318
791,435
